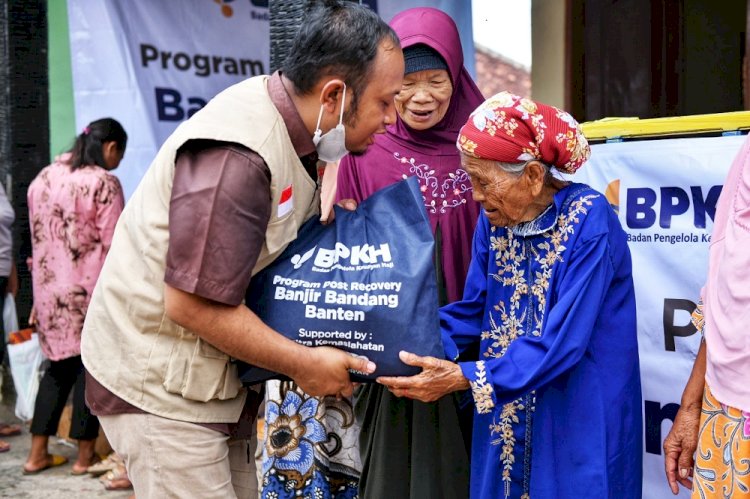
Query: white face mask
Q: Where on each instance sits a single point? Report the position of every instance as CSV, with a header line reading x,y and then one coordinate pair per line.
x,y
331,146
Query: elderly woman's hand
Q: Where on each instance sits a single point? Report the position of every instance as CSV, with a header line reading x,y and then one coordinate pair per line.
x,y
680,446
438,378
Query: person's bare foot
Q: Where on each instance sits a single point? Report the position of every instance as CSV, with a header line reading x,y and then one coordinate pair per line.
x,y
117,479
9,430
4,446
81,466
50,461
86,457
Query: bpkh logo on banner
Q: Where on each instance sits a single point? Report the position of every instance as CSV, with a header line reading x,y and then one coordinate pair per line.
x,y
665,206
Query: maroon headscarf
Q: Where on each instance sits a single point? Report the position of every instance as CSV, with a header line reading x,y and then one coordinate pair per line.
x,y
434,28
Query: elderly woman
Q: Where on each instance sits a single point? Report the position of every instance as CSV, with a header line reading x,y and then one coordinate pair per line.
x,y
436,98
74,205
713,423
406,448
549,299
410,448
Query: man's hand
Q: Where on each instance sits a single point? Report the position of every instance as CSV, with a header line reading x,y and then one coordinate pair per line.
x,y
438,378
241,334
680,446
328,372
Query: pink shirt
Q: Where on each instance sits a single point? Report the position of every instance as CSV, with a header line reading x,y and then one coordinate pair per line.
x,y
72,216
726,295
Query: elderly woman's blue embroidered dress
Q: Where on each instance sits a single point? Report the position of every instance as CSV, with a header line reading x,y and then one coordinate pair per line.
x,y
557,386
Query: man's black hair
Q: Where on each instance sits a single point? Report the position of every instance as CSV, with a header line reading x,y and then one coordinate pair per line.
x,y
336,38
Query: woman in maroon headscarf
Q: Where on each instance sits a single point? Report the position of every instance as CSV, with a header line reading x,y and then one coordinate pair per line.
x,y
401,438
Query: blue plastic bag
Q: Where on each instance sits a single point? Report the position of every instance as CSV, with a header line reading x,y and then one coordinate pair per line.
x,y
365,284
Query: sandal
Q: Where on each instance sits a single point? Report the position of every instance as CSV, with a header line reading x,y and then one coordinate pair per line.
x,y
108,464
53,460
118,472
9,430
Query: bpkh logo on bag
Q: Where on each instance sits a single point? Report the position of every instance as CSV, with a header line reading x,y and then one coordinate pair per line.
x,y
342,257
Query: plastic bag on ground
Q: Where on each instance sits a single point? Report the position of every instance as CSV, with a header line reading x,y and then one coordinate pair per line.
x,y
26,359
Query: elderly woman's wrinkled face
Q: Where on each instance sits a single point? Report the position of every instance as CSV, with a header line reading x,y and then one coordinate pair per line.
x,y
424,98
506,197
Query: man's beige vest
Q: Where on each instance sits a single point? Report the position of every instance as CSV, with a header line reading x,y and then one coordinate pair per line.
x,y
129,344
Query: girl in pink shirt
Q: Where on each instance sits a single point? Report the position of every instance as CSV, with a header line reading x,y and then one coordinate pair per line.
x,y
74,204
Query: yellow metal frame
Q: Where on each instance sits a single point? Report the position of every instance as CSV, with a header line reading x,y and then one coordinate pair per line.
x,y
625,128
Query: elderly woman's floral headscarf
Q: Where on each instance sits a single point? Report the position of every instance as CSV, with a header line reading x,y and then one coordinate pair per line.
x,y
513,129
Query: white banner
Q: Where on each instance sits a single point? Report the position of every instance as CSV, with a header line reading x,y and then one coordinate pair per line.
x,y
151,65
666,192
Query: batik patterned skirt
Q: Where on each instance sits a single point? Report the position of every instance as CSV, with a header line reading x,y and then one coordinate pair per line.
x,y
722,461
310,446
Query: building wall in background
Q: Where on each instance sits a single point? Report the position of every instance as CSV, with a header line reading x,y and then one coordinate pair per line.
x,y
714,44
24,119
496,73
548,43
653,58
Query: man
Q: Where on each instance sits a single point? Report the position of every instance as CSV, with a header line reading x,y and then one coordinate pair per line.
x,y
224,196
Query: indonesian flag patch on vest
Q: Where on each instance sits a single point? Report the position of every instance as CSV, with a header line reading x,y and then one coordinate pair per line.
x,y
286,202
